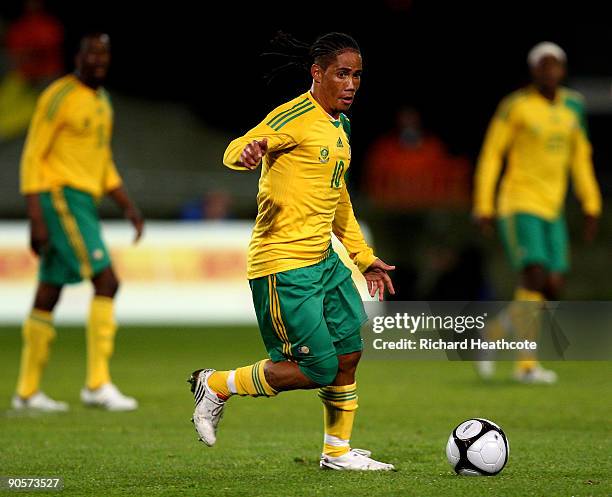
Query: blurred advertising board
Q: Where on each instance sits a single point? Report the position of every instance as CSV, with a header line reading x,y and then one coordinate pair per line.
x,y
180,272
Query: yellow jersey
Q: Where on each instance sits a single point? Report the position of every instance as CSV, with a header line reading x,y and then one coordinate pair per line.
x,y
302,191
544,143
68,142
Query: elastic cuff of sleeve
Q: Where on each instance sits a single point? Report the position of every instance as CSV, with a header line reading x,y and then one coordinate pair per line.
x,y
592,212
364,261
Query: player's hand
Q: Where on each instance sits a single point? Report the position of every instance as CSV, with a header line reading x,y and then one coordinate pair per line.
x,y
485,225
377,278
591,226
39,235
134,216
253,153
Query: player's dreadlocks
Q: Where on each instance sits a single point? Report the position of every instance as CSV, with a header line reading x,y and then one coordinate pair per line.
x,y
300,55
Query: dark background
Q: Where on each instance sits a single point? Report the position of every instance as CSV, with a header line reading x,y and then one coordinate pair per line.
x,y
452,60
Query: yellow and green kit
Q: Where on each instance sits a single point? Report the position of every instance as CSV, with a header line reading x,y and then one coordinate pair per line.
x,y
67,160
544,143
295,276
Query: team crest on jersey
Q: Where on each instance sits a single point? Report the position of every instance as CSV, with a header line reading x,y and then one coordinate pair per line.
x,y
324,155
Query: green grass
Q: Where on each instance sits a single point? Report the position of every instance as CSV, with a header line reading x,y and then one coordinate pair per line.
x,y
559,435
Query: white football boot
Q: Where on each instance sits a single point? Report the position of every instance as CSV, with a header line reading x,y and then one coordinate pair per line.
x,y
38,402
354,460
208,406
537,374
108,397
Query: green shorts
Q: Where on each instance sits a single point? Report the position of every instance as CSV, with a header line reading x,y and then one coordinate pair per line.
x,y
310,315
529,239
76,250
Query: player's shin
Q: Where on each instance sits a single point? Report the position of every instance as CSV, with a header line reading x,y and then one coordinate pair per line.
x,y
339,404
248,380
101,329
38,332
526,317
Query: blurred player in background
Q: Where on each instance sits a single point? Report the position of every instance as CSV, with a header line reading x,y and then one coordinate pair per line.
x,y
541,129
308,308
66,167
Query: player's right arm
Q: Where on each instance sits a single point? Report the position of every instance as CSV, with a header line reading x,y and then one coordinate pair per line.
x,y
583,176
347,229
245,153
498,137
39,234
43,127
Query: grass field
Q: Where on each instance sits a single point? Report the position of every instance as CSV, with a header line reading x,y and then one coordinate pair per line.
x,y
560,436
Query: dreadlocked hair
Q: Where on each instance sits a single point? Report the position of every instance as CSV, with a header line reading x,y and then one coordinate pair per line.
x,y
299,55
325,49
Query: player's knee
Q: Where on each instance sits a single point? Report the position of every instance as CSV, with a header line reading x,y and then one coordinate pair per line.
x,y
534,277
322,372
114,286
46,297
554,286
106,284
347,363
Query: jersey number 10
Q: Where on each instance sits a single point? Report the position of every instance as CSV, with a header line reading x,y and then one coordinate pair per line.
x,y
336,181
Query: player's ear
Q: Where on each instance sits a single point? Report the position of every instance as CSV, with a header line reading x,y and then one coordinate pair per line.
x,y
316,71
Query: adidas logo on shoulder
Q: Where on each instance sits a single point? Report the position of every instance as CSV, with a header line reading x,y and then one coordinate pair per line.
x,y
339,144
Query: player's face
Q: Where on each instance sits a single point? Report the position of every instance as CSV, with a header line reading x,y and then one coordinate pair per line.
x,y
340,81
94,58
549,72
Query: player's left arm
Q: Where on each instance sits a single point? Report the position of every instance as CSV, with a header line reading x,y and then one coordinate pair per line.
x,y
585,183
113,185
346,228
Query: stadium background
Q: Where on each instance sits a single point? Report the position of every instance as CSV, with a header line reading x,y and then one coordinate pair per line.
x,y
185,79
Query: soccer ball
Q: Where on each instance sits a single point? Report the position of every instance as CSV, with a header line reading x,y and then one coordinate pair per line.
x,y
477,447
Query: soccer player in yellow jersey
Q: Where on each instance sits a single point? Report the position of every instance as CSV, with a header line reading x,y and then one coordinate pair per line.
x,y
308,309
541,131
66,167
